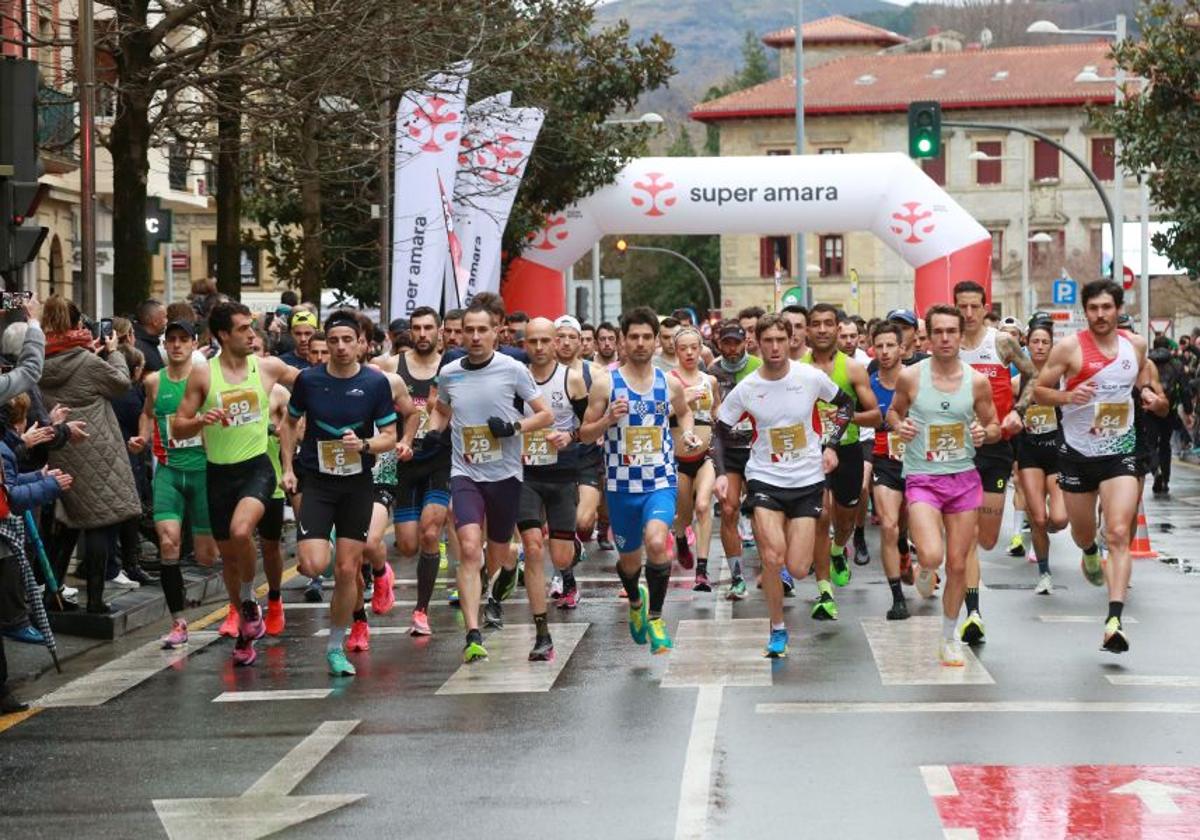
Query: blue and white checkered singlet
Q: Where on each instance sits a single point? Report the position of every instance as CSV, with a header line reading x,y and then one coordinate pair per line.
x,y
635,461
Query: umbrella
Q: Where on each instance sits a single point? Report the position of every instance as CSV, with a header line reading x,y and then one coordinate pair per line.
x,y
31,531
37,609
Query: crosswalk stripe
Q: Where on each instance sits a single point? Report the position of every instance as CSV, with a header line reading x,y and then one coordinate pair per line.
x,y
1154,681
906,654
275,694
375,631
120,675
507,670
719,653
1080,619
979,707
938,780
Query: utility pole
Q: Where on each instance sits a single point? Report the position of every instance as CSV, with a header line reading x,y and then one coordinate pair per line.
x,y
800,270
87,158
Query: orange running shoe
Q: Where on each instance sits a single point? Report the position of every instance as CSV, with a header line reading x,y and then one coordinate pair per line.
x,y
275,619
229,627
360,637
383,598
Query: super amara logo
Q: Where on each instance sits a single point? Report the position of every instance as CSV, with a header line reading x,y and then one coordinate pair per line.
x,y
745,195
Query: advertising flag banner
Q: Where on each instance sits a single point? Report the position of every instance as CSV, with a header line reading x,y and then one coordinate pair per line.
x,y
429,125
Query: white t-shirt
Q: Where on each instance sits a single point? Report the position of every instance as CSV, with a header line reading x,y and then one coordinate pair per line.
x,y
786,449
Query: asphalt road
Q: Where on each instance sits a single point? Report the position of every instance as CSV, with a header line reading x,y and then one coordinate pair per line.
x,y
857,734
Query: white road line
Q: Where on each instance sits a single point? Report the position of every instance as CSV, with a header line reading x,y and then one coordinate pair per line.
x,y
375,631
120,675
905,653
723,611
303,758
1160,681
938,781
711,653
1080,619
960,834
691,821
277,694
999,707
507,670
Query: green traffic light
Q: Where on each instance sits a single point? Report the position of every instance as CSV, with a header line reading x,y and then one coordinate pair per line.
x,y
924,145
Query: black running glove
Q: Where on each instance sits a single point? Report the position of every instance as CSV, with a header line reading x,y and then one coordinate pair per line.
x,y
501,428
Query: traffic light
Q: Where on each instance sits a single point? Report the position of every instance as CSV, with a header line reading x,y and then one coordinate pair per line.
x,y
622,245
924,129
20,192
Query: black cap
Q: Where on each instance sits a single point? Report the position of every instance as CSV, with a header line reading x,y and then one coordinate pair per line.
x,y
187,326
903,316
399,325
732,330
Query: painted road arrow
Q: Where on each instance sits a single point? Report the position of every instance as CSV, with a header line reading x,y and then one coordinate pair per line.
x,y
265,807
1157,797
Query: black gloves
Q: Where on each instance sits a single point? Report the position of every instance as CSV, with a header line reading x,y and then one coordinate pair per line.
x,y
501,428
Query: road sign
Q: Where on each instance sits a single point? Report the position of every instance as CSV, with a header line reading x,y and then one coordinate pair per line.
x,y
158,225
1066,291
1127,277
1067,322
1160,325
792,296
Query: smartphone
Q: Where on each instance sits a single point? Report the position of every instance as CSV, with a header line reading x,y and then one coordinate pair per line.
x,y
106,328
14,300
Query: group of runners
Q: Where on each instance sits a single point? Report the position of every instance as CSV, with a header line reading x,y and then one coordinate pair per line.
x,y
796,421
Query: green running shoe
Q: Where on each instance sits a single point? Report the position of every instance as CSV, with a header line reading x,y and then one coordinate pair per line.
x,y
474,651
825,609
339,665
1114,637
839,569
1093,570
639,617
737,590
660,639
443,562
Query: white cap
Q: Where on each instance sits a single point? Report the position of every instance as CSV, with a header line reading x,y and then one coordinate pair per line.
x,y
567,321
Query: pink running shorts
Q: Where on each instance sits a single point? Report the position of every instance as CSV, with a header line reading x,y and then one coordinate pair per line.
x,y
952,493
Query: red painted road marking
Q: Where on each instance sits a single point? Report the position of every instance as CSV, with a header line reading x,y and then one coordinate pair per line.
x,y
1088,801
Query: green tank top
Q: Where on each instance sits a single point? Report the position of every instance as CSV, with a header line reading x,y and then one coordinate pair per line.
x,y
185,455
943,443
243,435
273,454
841,378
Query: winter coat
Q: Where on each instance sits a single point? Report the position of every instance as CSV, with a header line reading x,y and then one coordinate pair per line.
x,y
28,490
149,346
103,491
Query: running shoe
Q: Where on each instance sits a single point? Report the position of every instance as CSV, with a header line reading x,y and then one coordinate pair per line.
x,y
384,597
683,553
420,624
839,569
570,600
244,653
927,581
178,637
1114,637
862,554
639,616
543,649
825,609
789,585
737,590
1044,585
312,592
660,639
950,652
339,665
556,585
777,644
701,584
508,590
474,651
604,543
275,620
1093,570
899,611
443,562
252,625
971,630
493,615
229,627
360,637
906,569
580,553
1016,546
452,597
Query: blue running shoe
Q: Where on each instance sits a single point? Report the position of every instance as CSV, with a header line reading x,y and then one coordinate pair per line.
x,y
788,583
777,644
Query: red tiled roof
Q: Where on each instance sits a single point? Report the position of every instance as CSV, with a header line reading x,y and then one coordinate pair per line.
x,y
1014,77
835,29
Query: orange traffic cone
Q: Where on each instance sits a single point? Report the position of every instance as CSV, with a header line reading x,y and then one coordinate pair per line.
x,y
1140,548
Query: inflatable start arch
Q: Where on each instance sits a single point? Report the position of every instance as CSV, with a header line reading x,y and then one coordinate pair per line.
x,y
887,194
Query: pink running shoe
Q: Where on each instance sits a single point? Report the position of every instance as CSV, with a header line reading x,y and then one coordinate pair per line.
x,y
570,600
383,598
420,624
178,636
229,627
244,653
360,637
253,627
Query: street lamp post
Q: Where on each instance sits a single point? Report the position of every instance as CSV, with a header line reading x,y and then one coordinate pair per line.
x,y
712,298
1026,289
801,261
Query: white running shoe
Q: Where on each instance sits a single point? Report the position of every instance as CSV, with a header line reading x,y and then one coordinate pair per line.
x,y
556,585
1044,585
951,653
926,581
122,580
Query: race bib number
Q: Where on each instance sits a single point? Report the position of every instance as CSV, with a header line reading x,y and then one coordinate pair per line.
x,y
788,443
1040,419
947,442
185,443
241,407
828,414
537,451
333,458
1111,419
702,402
643,445
896,446
479,445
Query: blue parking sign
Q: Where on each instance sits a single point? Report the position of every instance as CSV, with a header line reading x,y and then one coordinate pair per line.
x,y
1065,290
